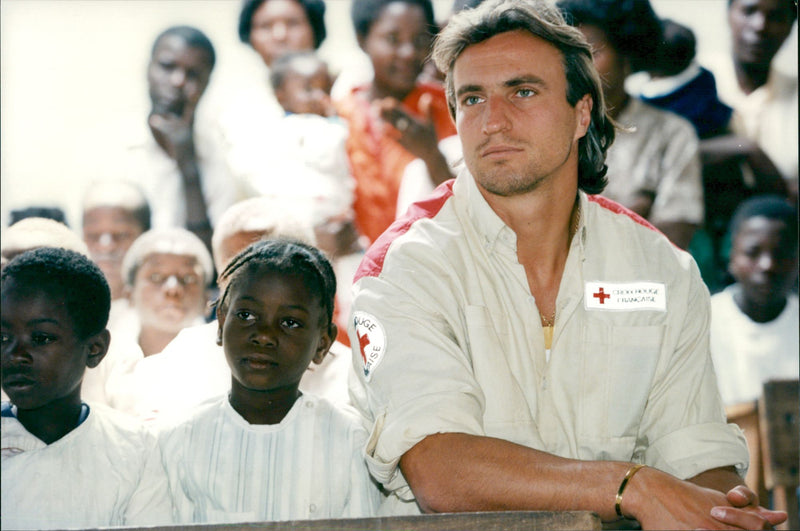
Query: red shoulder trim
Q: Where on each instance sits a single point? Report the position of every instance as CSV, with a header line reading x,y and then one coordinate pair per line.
x,y
372,263
615,207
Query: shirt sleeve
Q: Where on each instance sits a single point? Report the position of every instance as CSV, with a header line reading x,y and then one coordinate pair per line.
x,y
420,380
683,429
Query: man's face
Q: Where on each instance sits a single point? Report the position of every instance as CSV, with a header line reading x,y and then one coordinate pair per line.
x,y
177,75
764,260
168,292
109,232
272,329
278,27
43,360
516,127
758,28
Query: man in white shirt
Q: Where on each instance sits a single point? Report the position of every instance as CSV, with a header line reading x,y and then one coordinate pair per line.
x,y
523,346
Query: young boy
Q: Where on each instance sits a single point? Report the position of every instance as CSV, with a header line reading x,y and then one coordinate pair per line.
x,y
65,464
265,451
754,322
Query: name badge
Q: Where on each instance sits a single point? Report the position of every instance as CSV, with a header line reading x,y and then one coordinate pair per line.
x,y
626,296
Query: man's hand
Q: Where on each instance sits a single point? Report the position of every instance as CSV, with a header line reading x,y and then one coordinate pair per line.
x,y
418,136
660,501
744,500
174,133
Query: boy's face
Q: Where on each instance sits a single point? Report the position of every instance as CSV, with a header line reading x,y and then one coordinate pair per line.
x,y
272,329
306,89
43,360
764,260
168,291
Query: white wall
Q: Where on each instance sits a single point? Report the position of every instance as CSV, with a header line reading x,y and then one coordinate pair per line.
x,y
69,66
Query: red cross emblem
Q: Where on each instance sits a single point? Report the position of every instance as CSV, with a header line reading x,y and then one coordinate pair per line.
x,y
363,341
602,295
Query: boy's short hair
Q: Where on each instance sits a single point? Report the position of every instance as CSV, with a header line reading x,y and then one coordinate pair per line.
x,y
315,13
62,272
173,240
193,37
767,206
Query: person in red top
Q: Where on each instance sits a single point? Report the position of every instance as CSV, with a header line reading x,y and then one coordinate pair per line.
x,y
394,119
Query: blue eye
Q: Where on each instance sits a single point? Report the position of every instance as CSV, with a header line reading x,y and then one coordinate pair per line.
x,y
526,92
471,100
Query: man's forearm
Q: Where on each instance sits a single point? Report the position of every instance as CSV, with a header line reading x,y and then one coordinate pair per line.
x,y
721,479
459,472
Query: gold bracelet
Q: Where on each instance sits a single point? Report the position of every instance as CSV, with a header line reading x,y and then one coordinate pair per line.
x,y
628,475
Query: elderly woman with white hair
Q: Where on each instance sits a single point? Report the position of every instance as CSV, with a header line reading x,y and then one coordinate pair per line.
x,y
166,273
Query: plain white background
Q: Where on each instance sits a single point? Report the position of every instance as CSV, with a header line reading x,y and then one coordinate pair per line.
x,y
68,68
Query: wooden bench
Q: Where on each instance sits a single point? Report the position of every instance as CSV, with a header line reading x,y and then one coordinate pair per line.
x,y
483,521
779,412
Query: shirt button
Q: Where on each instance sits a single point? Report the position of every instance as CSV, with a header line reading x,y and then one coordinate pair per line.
x,y
312,508
309,404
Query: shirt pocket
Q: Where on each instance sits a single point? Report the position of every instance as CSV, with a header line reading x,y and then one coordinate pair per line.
x,y
619,364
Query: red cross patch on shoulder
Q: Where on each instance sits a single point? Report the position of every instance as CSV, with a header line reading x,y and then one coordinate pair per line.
x,y
371,341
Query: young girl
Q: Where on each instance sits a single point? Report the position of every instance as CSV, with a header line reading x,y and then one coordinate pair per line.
x,y
266,451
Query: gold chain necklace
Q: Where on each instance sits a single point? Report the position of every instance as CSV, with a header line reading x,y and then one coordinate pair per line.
x,y
547,323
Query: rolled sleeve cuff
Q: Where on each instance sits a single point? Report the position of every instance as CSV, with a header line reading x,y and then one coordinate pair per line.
x,y
393,435
695,449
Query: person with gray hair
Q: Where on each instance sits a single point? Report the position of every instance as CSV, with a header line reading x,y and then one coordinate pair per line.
x,y
166,273
523,344
115,213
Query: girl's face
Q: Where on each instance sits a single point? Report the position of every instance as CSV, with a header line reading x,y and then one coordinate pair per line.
x,y
764,260
397,44
272,329
278,27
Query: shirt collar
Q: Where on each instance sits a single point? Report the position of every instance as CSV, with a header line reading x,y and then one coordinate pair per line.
x,y
492,230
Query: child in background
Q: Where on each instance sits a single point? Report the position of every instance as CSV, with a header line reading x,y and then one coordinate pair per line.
x,y
303,155
676,82
754,322
65,464
266,451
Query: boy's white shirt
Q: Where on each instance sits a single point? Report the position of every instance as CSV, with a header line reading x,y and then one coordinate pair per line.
x,y
106,472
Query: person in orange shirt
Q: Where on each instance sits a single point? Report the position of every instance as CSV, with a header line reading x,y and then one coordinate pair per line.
x,y
394,119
